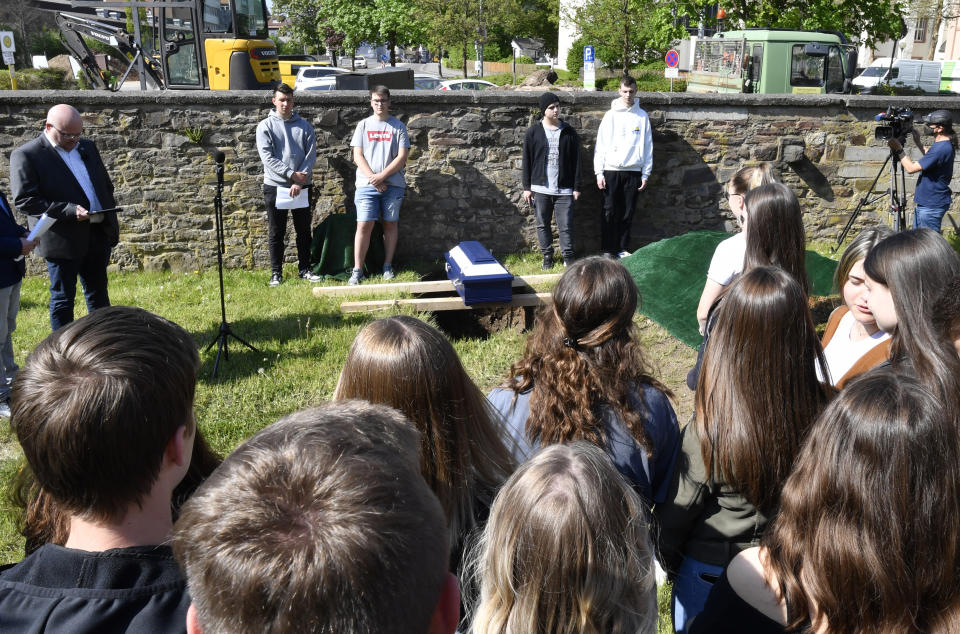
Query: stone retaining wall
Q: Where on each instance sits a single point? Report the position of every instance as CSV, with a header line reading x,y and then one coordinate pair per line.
x,y
464,170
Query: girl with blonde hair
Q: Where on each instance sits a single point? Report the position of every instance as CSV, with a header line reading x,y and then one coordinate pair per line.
x,y
566,551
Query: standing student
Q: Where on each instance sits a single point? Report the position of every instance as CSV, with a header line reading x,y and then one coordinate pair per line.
x,y
380,149
932,196
622,162
551,177
62,175
288,148
13,245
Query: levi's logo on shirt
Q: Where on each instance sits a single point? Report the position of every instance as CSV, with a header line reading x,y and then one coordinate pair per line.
x,y
379,135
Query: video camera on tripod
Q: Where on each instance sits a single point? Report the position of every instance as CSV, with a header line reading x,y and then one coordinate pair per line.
x,y
896,124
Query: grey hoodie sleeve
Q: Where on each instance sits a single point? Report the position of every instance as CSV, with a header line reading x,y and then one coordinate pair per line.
x,y
309,150
275,172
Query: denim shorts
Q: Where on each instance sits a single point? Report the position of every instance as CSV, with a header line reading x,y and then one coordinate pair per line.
x,y
373,205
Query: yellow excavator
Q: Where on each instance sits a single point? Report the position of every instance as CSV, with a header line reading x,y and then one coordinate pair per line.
x,y
176,44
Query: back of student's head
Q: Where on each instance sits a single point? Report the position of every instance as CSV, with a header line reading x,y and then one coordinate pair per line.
x,y
566,550
318,523
868,532
750,433
775,233
97,402
582,353
750,177
409,365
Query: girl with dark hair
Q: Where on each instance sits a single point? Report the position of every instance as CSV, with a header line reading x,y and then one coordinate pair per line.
x,y
757,395
852,342
775,237
409,365
906,274
931,198
727,261
866,539
583,377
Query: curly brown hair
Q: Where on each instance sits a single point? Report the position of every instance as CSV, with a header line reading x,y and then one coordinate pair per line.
x,y
582,358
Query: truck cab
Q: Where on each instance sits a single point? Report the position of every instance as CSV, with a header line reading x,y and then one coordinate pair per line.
x,y
772,61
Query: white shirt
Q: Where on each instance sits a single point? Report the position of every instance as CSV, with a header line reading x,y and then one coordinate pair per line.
x,y
79,170
727,260
842,352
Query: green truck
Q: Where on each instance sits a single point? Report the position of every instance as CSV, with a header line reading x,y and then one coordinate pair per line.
x,y
772,61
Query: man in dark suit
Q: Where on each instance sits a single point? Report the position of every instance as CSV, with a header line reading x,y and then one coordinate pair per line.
x,y
62,175
13,245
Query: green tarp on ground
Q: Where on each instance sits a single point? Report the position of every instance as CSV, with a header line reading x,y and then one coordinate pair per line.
x,y
670,275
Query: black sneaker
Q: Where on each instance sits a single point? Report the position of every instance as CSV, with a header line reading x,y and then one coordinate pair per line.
x,y
548,262
275,280
309,276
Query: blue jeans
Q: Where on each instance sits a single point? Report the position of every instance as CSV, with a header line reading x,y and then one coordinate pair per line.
x,y
9,305
694,581
928,217
92,271
373,205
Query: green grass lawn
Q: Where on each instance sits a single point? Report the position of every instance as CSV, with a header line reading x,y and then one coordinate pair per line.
x,y
302,342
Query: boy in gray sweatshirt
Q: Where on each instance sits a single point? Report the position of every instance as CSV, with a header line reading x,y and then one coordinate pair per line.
x,y
288,148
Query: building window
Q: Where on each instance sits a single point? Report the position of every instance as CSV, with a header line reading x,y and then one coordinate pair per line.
x,y
920,32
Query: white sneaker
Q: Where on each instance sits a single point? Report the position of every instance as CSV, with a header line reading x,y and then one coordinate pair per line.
x,y
5,408
355,277
388,273
624,254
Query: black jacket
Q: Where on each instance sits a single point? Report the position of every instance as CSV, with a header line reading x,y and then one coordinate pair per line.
x,y
535,148
11,269
42,182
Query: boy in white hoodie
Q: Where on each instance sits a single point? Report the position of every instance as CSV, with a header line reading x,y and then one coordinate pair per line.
x,y
622,161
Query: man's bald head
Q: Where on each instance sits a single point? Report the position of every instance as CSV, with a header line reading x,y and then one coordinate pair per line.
x,y
64,126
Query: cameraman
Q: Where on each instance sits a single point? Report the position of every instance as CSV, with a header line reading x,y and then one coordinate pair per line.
x,y
932,196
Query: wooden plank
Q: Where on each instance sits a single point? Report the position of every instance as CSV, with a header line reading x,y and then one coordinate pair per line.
x,y
431,304
438,286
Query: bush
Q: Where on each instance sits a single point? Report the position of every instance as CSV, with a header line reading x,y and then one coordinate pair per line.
x,y
39,79
575,56
502,79
648,80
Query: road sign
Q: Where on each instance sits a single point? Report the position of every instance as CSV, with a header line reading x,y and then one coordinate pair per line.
x,y
588,54
6,42
672,59
671,73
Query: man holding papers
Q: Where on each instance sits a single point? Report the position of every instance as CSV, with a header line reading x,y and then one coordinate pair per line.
x,y
288,149
62,175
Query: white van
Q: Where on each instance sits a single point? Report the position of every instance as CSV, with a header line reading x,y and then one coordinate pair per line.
x,y
908,73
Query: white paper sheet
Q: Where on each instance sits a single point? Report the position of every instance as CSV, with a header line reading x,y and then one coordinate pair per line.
x,y
284,201
41,227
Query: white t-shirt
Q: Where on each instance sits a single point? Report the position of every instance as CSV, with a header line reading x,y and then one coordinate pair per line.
x,y
381,142
841,353
727,260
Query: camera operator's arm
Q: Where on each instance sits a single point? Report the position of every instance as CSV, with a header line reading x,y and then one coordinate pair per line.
x,y
911,166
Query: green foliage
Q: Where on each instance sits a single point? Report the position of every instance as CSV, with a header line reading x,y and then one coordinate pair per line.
x,y
575,55
195,134
39,79
501,79
878,20
47,42
289,47
523,59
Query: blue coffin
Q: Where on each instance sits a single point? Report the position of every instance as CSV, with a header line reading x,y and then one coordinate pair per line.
x,y
477,275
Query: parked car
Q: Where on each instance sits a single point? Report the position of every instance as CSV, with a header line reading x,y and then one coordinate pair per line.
x,y
424,81
310,76
322,83
466,84
360,61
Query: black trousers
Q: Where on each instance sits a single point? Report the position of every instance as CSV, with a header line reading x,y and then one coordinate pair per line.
x,y
277,230
619,203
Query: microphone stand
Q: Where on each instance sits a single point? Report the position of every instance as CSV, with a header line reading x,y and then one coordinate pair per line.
x,y
225,331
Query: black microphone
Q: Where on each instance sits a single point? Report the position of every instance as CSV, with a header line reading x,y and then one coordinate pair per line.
x,y
219,156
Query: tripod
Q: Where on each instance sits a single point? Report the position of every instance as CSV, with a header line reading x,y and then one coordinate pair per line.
x,y
221,339
897,193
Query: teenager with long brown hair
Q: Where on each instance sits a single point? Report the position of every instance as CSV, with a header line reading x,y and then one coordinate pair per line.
x,y
775,237
409,365
566,550
727,260
906,274
583,377
867,535
757,395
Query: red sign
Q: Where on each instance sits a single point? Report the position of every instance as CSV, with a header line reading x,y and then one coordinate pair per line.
x,y
672,59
